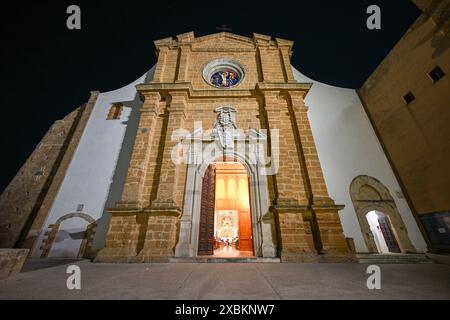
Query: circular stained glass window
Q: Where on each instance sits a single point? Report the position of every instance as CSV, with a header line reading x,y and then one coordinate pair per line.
x,y
225,78
223,73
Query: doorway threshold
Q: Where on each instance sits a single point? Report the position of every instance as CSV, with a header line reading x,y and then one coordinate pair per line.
x,y
213,259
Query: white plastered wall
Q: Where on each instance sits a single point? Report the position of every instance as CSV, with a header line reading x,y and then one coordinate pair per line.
x,y
348,147
97,171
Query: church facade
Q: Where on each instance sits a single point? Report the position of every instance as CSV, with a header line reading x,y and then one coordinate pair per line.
x,y
222,149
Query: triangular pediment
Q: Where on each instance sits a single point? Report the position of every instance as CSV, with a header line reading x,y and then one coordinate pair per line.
x,y
223,40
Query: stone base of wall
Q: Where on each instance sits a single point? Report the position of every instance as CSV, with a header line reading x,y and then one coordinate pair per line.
x,y
115,255
147,236
161,237
144,236
331,232
122,238
318,258
439,258
11,261
295,240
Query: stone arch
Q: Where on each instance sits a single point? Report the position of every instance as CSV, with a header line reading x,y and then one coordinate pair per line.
x,y
262,220
369,194
81,215
54,228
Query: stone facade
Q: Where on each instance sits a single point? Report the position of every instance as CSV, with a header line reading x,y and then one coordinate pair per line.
x,y
25,202
146,222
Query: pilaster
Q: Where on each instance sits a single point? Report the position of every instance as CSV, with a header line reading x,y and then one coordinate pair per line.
x,y
160,65
323,212
290,197
313,170
185,41
122,238
168,178
285,47
132,196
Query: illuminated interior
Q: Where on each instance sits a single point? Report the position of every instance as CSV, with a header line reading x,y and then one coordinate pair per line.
x,y
232,220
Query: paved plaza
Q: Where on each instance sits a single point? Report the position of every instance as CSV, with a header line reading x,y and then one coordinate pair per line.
x,y
47,280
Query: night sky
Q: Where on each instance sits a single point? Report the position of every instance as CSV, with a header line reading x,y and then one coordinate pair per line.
x,y
47,70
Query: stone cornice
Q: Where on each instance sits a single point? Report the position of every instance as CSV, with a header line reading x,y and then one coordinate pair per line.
x,y
217,93
328,207
267,86
187,87
133,211
289,208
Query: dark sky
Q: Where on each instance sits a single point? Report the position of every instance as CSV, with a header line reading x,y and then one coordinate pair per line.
x,y
47,71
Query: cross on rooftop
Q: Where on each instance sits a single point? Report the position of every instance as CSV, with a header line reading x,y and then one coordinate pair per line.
x,y
224,28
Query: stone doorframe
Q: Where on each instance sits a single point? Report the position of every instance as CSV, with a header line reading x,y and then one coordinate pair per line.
x,y
369,194
54,228
262,219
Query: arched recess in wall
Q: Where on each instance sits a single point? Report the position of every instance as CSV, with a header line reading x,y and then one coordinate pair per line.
x,y
368,194
54,229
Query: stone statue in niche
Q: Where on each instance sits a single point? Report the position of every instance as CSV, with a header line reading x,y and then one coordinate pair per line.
x,y
225,127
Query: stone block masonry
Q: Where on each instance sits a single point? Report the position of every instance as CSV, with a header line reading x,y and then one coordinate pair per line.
x,y
11,261
145,225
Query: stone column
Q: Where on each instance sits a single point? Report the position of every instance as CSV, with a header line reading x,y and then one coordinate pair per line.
x,y
185,248
168,178
183,63
160,65
302,129
184,42
285,47
165,211
322,208
132,196
122,240
290,198
261,201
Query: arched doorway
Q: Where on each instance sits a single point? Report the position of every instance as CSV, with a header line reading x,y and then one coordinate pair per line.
x,y
370,195
382,232
262,220
70,236
225,227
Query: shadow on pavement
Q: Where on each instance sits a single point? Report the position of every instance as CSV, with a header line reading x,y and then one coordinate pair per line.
x,y
37,264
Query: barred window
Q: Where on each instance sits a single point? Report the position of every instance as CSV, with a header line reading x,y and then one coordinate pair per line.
x,y
436,74
409,97
115,112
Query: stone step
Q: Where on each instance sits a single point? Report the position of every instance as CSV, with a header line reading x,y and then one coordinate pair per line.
x,y
441,258
393,258
225,260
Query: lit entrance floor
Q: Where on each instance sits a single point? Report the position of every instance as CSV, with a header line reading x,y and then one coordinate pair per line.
x,y
230,252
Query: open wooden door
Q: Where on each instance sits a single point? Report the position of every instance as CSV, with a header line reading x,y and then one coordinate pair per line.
x,y
245,220
245,232
206,227
388,235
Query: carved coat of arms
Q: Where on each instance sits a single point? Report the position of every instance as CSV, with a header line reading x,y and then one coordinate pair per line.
x,y
225,126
